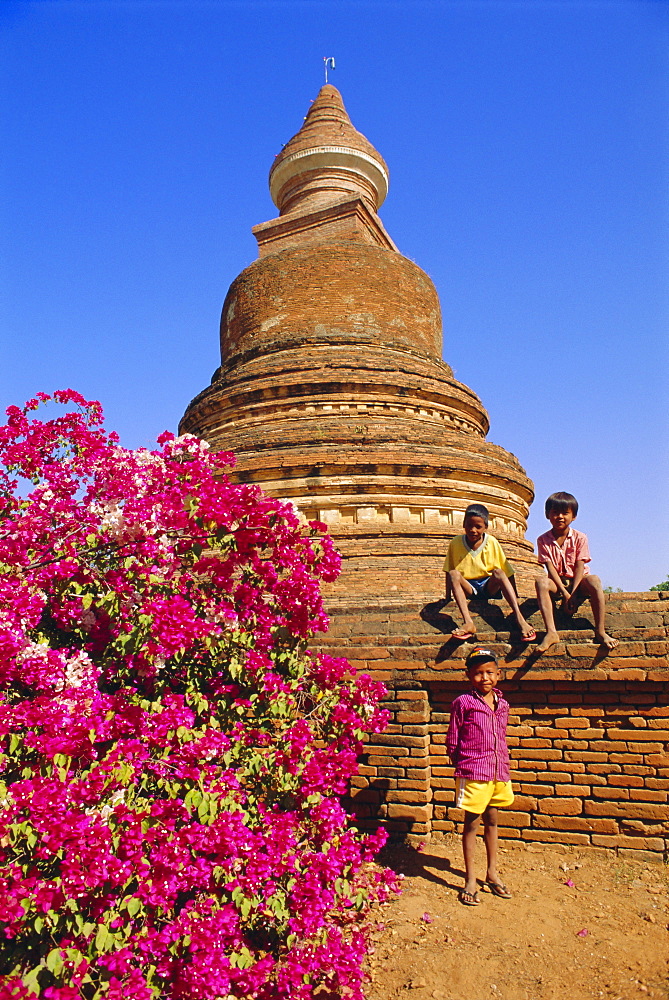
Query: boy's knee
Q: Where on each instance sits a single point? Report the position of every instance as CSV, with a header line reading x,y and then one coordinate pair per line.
x,y
455,576
541,585
498,574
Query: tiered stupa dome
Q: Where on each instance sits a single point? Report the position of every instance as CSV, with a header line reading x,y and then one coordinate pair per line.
x,y
332,391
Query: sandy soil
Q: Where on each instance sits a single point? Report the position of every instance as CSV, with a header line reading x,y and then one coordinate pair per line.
x,y
605,935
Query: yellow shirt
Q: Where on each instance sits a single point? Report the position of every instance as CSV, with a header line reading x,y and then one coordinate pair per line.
x,y
475,564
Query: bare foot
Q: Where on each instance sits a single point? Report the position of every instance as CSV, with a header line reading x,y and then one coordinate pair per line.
x,y
604,639
527,633
550,639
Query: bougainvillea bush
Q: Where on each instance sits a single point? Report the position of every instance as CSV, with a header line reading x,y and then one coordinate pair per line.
x,y
170,824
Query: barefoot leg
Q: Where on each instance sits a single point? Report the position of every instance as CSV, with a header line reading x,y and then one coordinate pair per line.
x,y
462,590
469,830
545,587
593,588
500,581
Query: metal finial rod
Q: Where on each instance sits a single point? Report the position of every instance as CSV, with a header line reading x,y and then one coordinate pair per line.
x,y
328,63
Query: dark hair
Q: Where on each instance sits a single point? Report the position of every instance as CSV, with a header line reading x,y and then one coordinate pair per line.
x,y
480,655
477,510
561,502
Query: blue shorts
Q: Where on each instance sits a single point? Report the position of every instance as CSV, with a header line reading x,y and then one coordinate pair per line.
x,y
480,589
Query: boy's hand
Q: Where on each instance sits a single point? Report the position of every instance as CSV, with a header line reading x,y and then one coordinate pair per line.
x,y
568,605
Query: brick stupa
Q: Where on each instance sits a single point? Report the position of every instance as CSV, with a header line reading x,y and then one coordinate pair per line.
x,y
332,391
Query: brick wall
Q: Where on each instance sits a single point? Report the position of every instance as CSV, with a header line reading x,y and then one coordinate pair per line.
x,y
588,732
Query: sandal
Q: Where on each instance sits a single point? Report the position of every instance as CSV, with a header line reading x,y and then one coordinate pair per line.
x,y
469,898
499,889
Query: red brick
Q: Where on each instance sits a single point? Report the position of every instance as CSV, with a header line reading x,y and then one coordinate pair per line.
x,y
556,837
419,784
638,735
537,754
576,823
524,802
626,780
611,793
647,795
646,843
561,807
398,810
411,718
406,795
559,777
626,810
506,817
572,789
569,767
658,783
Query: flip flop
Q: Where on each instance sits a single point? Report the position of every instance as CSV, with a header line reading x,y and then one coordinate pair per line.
x,y
463,634
499,889
469,898
529,636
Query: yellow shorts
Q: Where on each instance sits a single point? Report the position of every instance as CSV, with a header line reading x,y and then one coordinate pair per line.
x,y
476,796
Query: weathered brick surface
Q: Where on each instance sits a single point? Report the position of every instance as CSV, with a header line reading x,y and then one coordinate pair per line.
x,y
590,763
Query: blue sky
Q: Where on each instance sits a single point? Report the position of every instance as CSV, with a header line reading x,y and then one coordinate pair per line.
x,y
527,146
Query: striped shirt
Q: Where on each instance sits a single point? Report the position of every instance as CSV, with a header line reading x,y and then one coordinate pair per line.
x,y
476,738
564,557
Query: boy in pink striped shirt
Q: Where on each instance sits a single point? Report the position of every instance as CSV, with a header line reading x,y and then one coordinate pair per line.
x,y
476,744
565,554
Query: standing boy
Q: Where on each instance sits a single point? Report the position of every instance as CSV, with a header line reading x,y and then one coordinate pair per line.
x,y
476,566
476,744
564,552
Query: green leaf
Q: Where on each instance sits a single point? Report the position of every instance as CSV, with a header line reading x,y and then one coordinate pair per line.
x,y
31,980
203,809
54,962
242,959
102,938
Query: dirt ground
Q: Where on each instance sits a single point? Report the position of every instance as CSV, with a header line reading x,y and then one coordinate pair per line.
x,y
578,926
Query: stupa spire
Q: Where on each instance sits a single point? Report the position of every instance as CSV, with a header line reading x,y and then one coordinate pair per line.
x,y
326,161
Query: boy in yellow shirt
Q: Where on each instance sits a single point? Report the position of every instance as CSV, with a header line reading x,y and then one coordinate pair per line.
x,y
476,566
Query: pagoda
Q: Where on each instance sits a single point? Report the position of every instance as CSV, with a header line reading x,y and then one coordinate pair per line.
x,y
332,391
